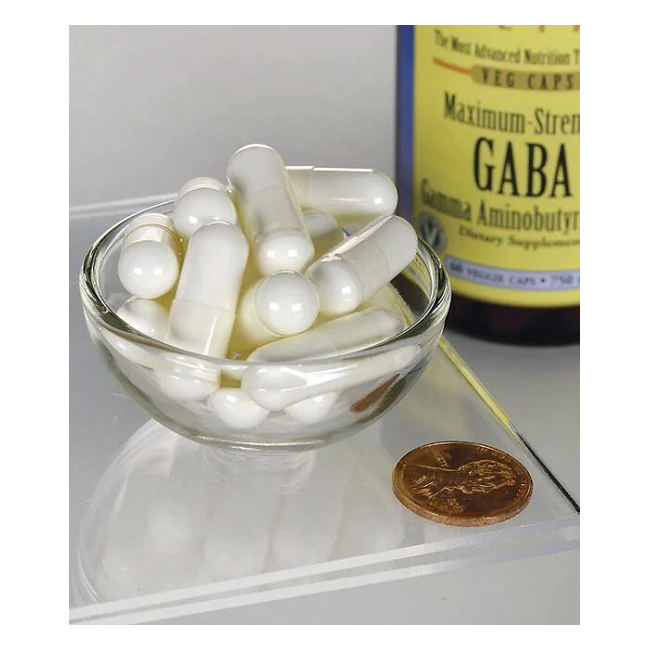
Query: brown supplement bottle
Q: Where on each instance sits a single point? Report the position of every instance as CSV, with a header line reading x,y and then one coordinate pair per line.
x,y
489,172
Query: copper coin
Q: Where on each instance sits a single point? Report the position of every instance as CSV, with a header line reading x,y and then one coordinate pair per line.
x,y
462,483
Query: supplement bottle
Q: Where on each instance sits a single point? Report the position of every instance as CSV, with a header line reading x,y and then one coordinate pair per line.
x,y
489,171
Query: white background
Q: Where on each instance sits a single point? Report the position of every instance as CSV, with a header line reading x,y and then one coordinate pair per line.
x,y
153,106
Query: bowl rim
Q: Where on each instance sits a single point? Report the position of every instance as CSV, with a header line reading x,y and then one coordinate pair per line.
x,y
96,307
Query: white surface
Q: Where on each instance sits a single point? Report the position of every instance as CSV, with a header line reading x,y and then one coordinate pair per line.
x,y
151,106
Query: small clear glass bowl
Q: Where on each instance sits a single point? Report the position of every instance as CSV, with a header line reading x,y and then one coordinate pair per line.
x,y
347,391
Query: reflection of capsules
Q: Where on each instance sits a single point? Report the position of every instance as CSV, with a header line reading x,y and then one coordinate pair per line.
x,y
150,257
309,520
170,513
374,508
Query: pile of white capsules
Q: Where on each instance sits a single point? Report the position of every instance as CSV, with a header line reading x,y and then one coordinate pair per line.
x,y
262,271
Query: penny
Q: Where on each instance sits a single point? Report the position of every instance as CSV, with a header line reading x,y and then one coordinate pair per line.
x,y
462,483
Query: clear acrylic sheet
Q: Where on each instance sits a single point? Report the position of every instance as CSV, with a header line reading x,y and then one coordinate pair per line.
x,y
161,527
176,528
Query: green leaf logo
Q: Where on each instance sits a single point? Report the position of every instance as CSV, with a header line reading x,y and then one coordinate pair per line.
x,y
432,232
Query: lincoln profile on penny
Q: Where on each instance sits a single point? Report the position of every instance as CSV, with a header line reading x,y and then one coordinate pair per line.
x,y
477,476
462,483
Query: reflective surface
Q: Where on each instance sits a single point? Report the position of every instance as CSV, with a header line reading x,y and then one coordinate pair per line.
x,y
361,536
173,526
169,513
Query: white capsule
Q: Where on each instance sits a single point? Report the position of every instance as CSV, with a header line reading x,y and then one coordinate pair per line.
x,y
349,333
203,311
281,304
236,408
356,193
184,379
286,302
389,298
200,201
278,386
200,182
270,214
356,269
150,257
319,223
312,409
146,316
275,387
324,231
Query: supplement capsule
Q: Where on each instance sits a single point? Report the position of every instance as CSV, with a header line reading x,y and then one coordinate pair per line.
x,y
324,231
276,387
354,193
184,379
357,268
199,201
203,311
146,316
150,257
236,408
389,298
281,304
270,214
312,409
339,336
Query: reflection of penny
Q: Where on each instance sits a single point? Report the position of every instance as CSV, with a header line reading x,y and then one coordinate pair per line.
x,y
462,483
373,397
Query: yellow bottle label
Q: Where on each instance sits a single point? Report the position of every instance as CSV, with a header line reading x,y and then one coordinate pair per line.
x,y
496,158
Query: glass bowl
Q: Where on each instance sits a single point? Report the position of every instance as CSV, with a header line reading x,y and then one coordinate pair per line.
x,y
318,400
